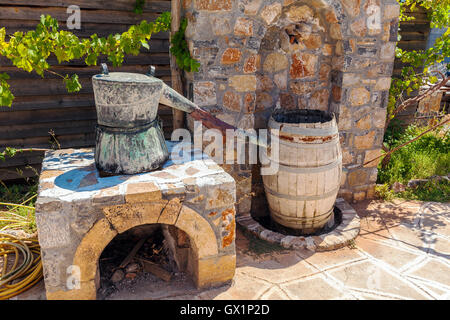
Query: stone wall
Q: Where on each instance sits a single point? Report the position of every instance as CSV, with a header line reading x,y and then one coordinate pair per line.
x,y
334,55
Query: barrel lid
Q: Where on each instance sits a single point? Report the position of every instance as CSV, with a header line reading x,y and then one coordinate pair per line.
x,y
126,77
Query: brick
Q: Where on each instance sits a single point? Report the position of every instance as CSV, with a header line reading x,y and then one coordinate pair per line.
x,y
319,99
327,49
87,291
379,118
205,93
300,14
213,5
186,4
359,96
383,83
142,192
370,155
264,83
215,270
263,101
345,118
387,51
287,101
243,83
280,80
251,7
364,123
336,93
352,7
330,17
46,174
357,177
324,72
243,27
301,88
358,196
391,11
221,25
275,62
232,101
365,141
313,41
303,65
249,102
231,56
252,63
127,216
358,27
335,31
271,12
91,247
347,156
200,232
169,215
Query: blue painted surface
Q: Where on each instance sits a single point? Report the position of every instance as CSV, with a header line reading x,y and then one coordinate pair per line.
x,y
71,179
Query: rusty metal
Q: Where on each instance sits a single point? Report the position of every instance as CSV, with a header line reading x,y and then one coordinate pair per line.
x,y
129,138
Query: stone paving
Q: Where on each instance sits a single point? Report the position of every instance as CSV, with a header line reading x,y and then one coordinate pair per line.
x,y
402,252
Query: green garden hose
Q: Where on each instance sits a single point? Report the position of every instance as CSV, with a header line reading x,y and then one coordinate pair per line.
x,y
21,275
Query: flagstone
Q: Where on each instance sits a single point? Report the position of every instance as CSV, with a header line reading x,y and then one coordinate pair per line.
x,y
275,272
394,257
434,270
315,288
330,259
368,276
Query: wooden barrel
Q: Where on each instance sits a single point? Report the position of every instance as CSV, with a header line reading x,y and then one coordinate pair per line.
x,y
302,193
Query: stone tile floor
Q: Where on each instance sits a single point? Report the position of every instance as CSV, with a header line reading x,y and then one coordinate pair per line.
x,y
402,252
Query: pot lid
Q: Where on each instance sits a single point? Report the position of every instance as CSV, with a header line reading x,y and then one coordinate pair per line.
x,y
126,77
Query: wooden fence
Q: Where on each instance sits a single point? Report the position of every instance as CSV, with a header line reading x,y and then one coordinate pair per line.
x,y
42,106
413,36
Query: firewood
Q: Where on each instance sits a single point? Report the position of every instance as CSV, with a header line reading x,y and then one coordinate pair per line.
x,y
132,253
156,270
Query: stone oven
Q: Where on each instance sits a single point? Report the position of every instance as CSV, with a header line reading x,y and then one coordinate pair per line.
x,y
78,213
332,55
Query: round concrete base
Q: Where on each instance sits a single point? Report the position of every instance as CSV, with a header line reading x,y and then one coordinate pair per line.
x,y
340,236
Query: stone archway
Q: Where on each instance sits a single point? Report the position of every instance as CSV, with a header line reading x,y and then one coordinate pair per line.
x,y
226,37
206,266
297,53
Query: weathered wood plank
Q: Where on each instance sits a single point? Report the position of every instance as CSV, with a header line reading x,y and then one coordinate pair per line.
x,y
23,158
43,129
50,102
66,141
47,116
143,58
34,87
87,29
10,173
412,45
125,5
86,71
93,16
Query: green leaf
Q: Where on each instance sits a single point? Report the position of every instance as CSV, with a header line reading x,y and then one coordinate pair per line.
x,y
72,83
145,44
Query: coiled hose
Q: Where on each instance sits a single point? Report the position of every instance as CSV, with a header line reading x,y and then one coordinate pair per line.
x,y
25,272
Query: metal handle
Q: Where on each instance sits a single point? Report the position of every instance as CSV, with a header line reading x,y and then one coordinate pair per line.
x,y
151,71
105,69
